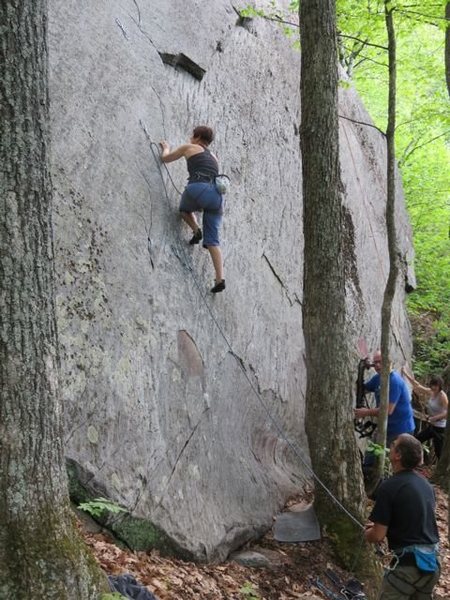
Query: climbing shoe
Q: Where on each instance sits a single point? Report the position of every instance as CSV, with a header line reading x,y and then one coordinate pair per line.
x,y
219,287
196,238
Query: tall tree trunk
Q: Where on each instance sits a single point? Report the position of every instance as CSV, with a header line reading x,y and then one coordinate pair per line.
x,y
329,393
41,553
442,473
447,47
389,292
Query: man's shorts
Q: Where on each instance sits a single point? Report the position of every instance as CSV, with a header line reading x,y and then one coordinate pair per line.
x,y
407,582
201,196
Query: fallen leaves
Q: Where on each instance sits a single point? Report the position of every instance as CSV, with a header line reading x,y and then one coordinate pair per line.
x,y
289,579
442,590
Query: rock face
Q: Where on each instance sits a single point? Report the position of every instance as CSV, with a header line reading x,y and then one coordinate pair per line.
x,y
162,412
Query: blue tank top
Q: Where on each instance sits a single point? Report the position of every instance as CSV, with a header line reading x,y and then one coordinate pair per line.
x,y
202,167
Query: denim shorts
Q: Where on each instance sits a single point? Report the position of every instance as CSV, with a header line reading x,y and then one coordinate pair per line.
x,y
203,196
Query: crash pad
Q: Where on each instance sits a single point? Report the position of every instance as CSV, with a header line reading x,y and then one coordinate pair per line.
x,y
298,524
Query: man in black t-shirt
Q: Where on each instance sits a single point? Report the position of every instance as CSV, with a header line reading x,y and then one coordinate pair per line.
x,y
404,513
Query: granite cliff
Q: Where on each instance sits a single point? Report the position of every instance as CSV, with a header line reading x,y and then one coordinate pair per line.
x,y
160,411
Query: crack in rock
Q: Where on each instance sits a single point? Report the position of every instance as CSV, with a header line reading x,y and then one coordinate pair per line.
x,y
280,281
121,27
180,454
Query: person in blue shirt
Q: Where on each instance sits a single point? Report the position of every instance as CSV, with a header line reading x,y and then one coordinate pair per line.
x,y
400,412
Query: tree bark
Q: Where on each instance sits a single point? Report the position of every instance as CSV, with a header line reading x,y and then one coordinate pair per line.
x,y
442,474
329,392
41,553
389,292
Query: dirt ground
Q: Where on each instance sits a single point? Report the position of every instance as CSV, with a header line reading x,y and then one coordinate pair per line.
x,y
294,569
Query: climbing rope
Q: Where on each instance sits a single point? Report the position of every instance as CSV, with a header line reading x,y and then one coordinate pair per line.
x,y
292,445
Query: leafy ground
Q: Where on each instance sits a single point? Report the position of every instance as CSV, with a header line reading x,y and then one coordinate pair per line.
x,y
294,567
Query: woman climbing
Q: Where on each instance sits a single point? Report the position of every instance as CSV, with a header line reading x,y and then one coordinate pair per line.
x,y
436,408
201,194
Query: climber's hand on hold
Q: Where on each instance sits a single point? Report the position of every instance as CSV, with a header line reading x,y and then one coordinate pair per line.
x,y
164,147
361,413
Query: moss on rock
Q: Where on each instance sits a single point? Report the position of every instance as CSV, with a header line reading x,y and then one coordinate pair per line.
x,y
137,533
141,534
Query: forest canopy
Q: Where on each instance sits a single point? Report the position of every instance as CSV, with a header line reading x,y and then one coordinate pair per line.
x,y
422,139
423,153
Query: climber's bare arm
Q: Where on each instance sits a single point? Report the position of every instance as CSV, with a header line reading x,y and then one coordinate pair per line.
x,y
185,150
170,156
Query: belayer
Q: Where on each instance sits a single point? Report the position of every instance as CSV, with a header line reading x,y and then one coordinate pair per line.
x,y
201,194
400,414
404,512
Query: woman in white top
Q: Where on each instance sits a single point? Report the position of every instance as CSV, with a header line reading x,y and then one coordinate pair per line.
x,y
436,408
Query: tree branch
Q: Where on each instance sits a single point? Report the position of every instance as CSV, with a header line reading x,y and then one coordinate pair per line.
x,y
434,114
362,123
414,12
278,19
370,60
365,43
422,145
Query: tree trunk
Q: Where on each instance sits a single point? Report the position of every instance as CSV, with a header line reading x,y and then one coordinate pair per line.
x,y
442,473
389,292
329,393
447,47
41,553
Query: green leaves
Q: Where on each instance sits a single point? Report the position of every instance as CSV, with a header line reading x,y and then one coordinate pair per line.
x,y
422,137
250,12
422,140
97,506
376,449
248,592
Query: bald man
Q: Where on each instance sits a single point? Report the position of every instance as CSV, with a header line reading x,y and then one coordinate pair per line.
x,y
400,413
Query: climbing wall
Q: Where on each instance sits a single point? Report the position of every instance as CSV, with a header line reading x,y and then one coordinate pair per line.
x,y
162,382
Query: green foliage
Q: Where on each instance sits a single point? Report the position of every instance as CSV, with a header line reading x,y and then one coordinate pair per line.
x,y
114,596
422,140
376,449
248,592
250,11
97,506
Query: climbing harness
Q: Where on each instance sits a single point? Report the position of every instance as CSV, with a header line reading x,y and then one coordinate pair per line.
x,y
425,557
364,427
221,181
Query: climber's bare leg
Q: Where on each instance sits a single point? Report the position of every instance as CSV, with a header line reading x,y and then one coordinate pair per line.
x,y
191,220
216,256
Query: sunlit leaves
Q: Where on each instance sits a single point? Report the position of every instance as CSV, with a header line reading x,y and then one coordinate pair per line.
x,y
422,137
423,142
